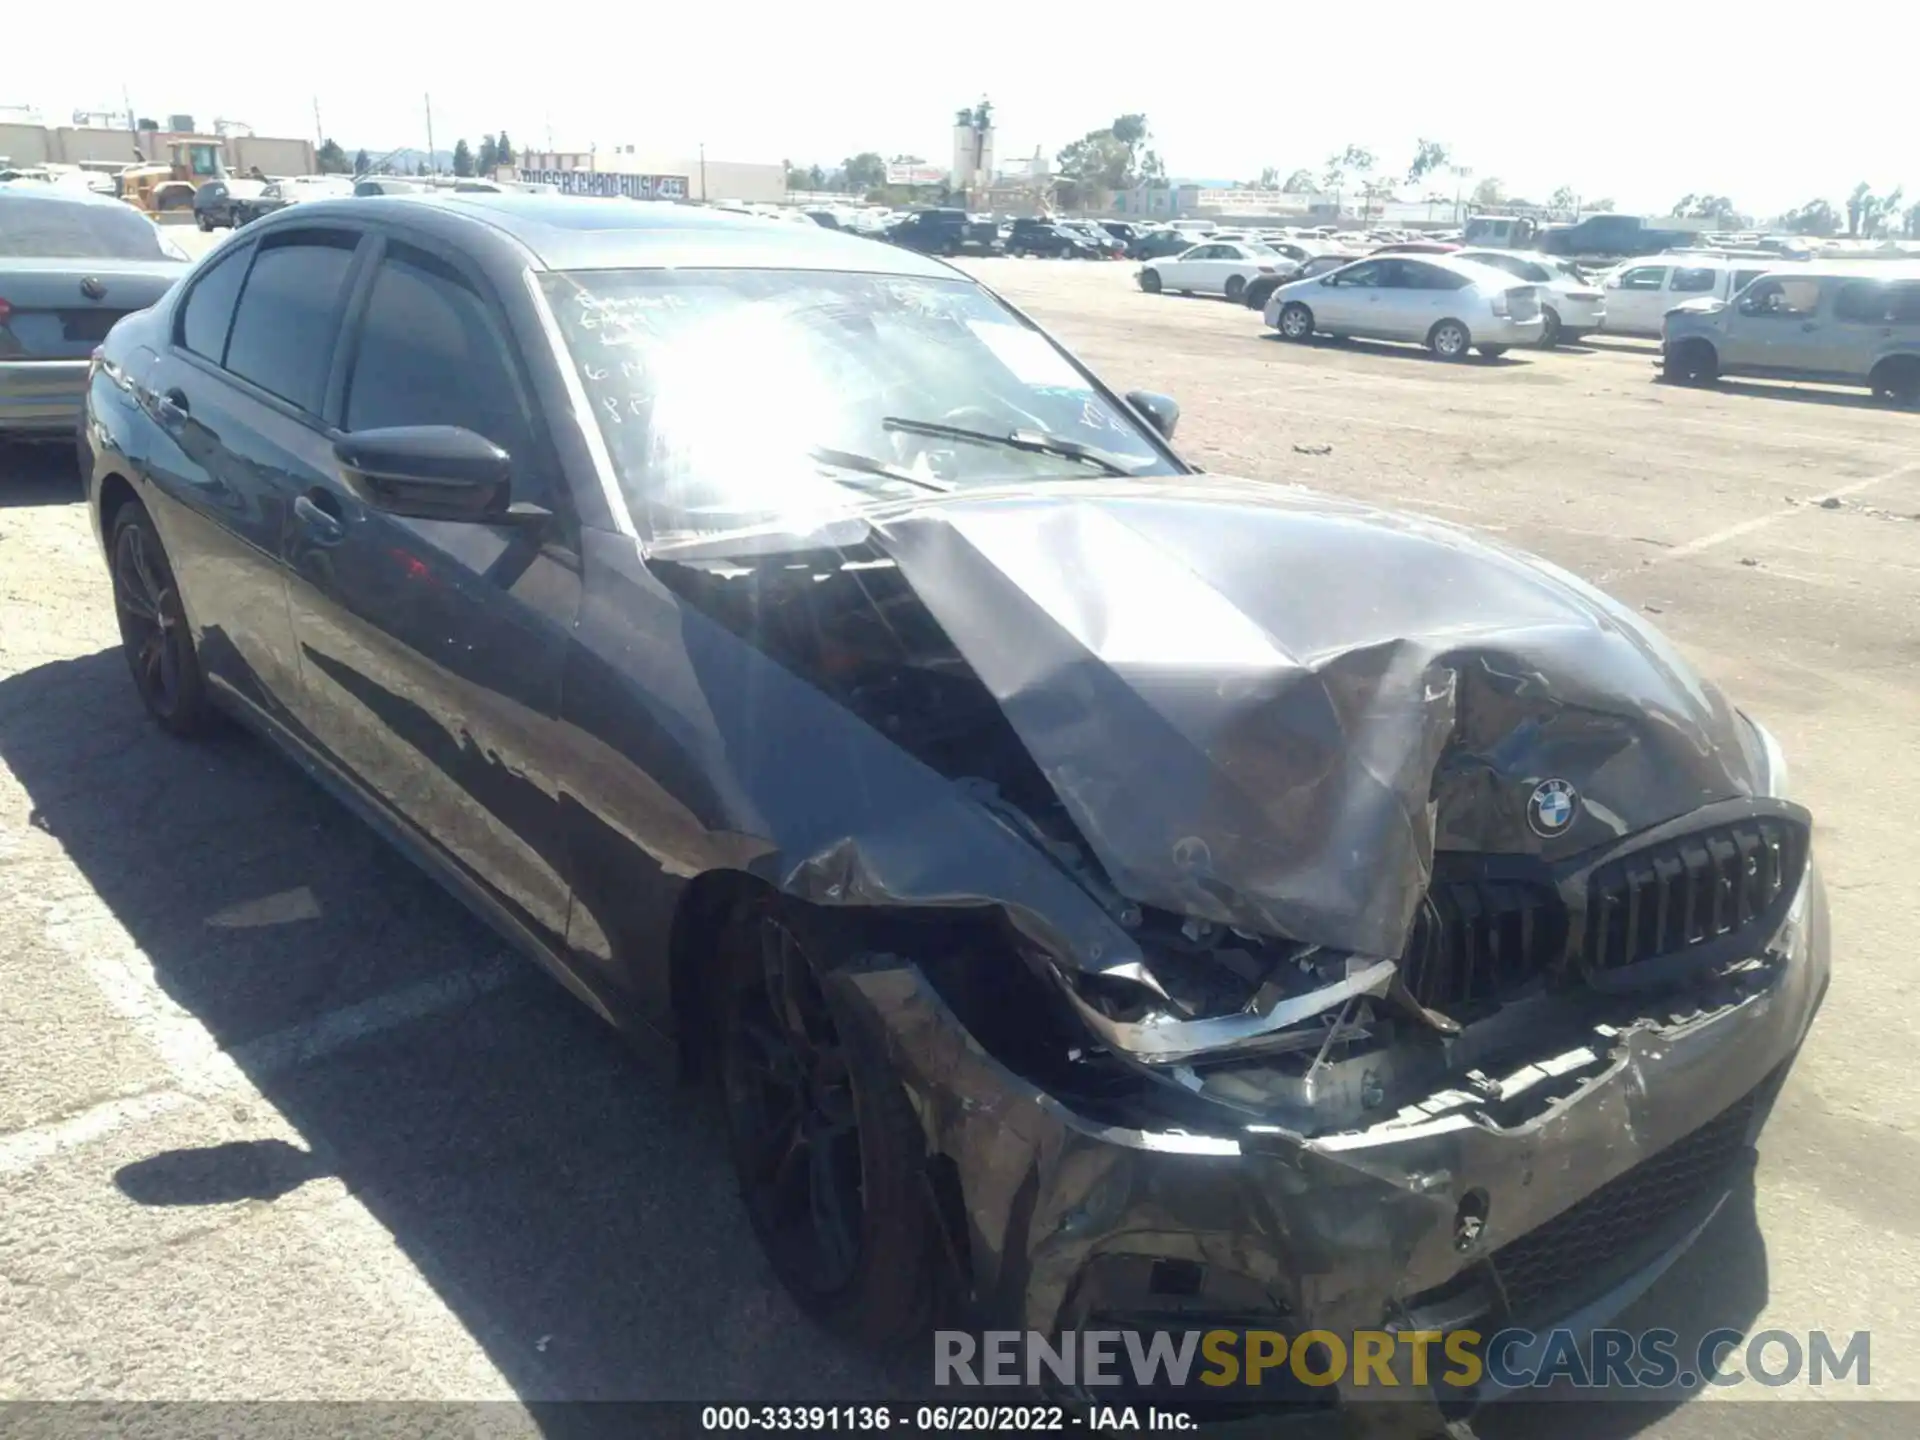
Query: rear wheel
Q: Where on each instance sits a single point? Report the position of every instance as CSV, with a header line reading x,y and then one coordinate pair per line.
x,y
1296,321
206,225
1236,286
1150,281
1449,340
830,1157
1692,362
1551,333
1897,381
153,627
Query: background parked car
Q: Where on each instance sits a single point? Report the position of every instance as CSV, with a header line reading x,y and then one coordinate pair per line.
x,y
1571,305
1103,241
71,265
388,185
1848,324
945,232
1217,267
290,190
1033,236
214,201
1451,306
1153,244
1638,295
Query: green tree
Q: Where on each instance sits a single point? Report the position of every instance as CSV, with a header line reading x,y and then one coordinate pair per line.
x,y
1816,217
1489,192
1301,182
361,164
1269,179
1116,158
1867,210
1428,156
488,157
1704,207
1599,207
503,151
331,158
1563,199
865,171
816,178
1913,220
462,158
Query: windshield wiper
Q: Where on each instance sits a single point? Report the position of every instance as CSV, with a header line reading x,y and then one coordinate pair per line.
x,y
868,465
1030,440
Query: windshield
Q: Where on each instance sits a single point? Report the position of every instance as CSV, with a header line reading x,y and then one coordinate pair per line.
x,y
730,398
49,228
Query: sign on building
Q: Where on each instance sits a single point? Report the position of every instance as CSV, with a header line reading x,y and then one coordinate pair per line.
x,y
916,175
609,182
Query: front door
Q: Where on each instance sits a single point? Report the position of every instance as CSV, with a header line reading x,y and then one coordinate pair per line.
x,y
1350,300
1637,300
236,400
1775,328
432,651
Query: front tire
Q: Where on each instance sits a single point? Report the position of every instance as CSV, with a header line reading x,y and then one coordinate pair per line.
x,y
1295,322
154,635
1449,340
1692,362
1150,281
1236,286
830,1157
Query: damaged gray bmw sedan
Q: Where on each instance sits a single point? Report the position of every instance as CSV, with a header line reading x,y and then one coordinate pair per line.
x,y
1109,895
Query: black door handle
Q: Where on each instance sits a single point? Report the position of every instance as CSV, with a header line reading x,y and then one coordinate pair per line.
x,y
176,399
319,513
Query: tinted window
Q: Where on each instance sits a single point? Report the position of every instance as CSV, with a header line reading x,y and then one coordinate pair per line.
x,y
1744,278
1432,277
1643,277
207,313
1368,274
1694,279
1865,300
289,311
431,353
1781,297
1905,306
51,227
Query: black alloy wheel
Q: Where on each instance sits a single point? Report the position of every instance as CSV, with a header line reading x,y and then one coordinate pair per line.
x,y
154,635
830,1155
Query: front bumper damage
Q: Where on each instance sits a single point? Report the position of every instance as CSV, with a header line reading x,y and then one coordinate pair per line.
x,y
1431,1219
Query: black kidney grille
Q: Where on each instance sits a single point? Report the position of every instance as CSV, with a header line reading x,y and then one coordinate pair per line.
x,y
1570,1254
1666,898
1482,939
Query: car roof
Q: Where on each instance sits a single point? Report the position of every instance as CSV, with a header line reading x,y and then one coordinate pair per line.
x,y
577,232
37,191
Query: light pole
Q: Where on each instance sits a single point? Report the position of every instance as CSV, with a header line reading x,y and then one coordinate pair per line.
x,y
1461,174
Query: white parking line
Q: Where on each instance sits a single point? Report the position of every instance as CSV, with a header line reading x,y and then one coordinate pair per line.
x,y
1761,522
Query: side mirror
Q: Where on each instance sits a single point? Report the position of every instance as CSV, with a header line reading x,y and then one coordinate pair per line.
x,y
1161,411
428,472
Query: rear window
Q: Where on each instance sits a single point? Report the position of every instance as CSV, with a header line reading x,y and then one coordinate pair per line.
x,y
50,228
1695,279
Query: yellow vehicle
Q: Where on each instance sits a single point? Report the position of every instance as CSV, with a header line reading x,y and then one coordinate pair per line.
x,y
158,187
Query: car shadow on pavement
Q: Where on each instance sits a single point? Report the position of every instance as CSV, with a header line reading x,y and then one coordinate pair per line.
x,y
1761,390
569,1200
38,474
1517,356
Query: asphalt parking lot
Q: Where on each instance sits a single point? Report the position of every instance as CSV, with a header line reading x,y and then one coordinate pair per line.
x,y
278,1120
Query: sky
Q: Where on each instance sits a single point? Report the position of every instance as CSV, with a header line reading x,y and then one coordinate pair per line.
x,y
1770,106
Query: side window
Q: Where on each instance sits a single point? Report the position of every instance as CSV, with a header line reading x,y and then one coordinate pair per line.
x,y
1864,301
1903,307
1643,277
1368,274
206,314
1742,279
430,352
1693,279
1781,297
289,316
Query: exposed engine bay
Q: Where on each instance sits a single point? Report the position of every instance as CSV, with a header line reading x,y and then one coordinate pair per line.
x,y
1496,974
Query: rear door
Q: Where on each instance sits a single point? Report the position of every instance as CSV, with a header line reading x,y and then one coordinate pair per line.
x,y
1636,300
1775,328
432,650
1423,295
1861,327
238,396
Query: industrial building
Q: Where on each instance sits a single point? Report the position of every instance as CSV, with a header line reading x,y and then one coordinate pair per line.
x,y
629,170
24,144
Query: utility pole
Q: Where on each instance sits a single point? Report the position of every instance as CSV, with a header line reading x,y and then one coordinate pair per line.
x,y
319,130
703,172
432,168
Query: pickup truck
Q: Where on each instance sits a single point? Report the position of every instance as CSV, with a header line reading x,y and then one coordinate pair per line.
x,y
945,232
1610,237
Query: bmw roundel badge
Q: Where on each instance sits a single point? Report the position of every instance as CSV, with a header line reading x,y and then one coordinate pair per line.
x,y
1551,808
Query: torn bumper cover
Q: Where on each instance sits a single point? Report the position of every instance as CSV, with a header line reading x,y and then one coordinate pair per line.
x,y
1470,1210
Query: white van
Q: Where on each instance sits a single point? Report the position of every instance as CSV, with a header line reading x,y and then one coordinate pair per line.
x,y
1640,293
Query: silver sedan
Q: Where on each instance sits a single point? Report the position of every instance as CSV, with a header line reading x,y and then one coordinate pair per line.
x,y
1450,306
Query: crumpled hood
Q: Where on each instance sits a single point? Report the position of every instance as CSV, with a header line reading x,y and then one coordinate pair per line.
x,y
1268,708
